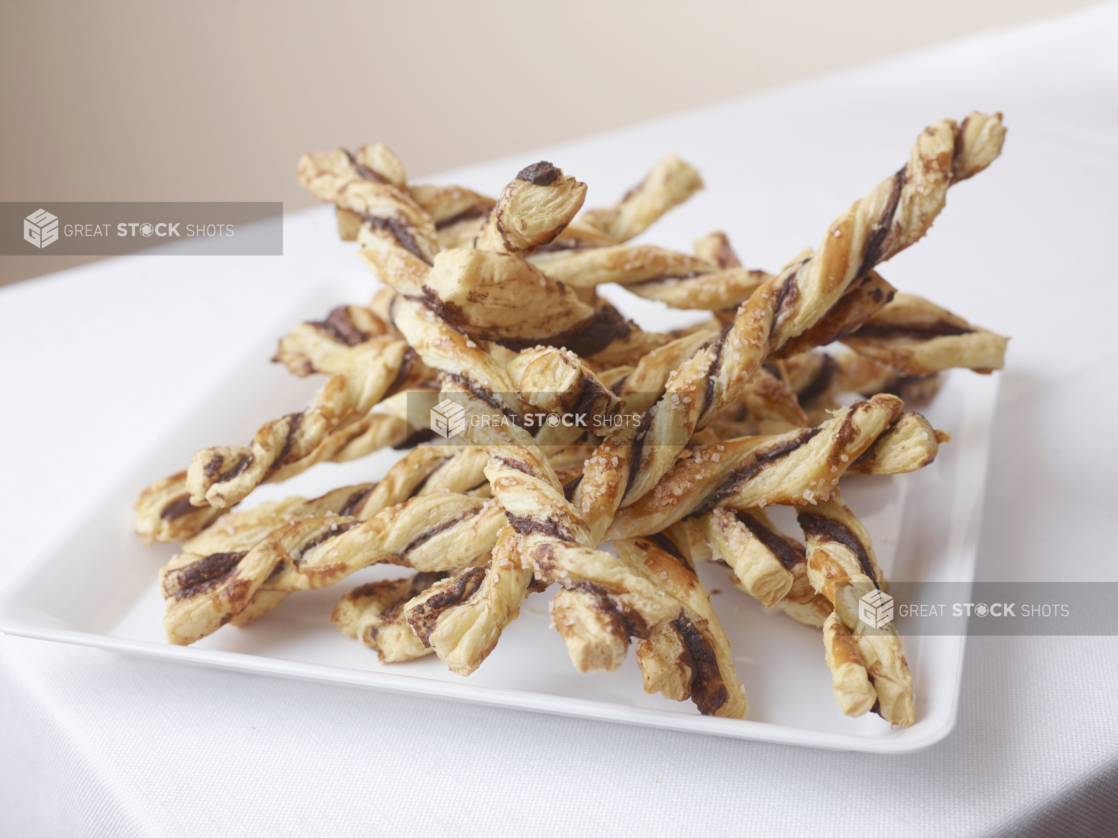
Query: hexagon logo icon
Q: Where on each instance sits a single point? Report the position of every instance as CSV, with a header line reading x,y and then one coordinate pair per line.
x,y
876,609
448,418
40,228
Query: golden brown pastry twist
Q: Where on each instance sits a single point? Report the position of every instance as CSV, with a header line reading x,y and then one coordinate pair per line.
x,y
891,217
433,532
842,567
374,614
224,476
165,514
798,467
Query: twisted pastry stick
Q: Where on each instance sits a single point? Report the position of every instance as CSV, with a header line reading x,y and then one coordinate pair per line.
x,y
165,514
676,279
483,294
843,568
457,213
758,566
670,182
850,679
688,657
434,532
865,298
325,346
764,563
398,238
461,618
532,210
558,382
918,338
422,471
480,290
801,466
747,557
223,476
764,397
817,378
611,601
891,217
374,614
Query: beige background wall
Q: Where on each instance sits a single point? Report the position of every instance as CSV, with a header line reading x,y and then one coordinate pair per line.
x,y
208,101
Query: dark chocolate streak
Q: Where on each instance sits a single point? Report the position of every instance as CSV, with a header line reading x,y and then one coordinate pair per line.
x,y
326,536
713,369
398,229
819,383
668,546
241,464
591,394
541,174
569,488
737,478
294,421
527,526
355,501
941,328
363,171
900,384
843,438
339,326
880,231
487,397
787,295
415,437
416,585
513,464
423,617
206,574
427,535
562,244
411,357
788,554
465,215
626,623
828,529
707,689
607,327
586,338
177,508
638,449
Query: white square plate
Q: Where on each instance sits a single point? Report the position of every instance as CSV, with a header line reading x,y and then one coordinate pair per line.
x,y
96,585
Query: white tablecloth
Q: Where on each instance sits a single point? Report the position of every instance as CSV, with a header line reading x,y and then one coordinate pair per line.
x,y
97,362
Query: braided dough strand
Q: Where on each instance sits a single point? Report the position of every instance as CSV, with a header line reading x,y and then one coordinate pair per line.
x,y
224,476
894,215
165,514
843,568
435,532
669,183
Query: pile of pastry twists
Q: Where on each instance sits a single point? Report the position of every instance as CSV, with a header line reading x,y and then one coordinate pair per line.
x,y
682,439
